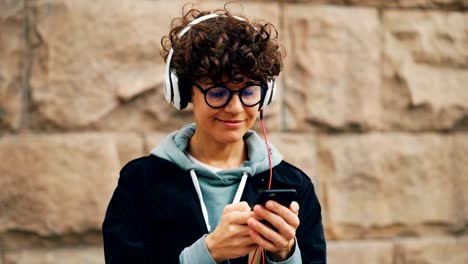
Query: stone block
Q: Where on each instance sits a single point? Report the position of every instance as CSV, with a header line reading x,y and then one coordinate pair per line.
x,y
332,75
56,185
425,70
96,56
12,63
55,256
360,252
433,250
383,185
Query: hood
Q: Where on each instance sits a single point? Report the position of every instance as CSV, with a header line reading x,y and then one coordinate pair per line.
x,y
173,147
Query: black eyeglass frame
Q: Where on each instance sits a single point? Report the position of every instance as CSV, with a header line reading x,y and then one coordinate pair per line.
x,y
231,93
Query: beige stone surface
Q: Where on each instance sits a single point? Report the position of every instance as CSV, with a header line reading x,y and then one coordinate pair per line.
x,y
425,69
332,76
426,4
433,250
360,252
56,185
12,62
86,75
381,185
460,181
129,146
351,65
20,239
147,113
56,256
96,55
300,150
153,140
413,3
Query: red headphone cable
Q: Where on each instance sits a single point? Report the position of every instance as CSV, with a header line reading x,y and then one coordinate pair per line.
x,y
268,148
270,178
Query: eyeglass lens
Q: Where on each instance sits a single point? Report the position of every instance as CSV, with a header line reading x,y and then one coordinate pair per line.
x,y
219,96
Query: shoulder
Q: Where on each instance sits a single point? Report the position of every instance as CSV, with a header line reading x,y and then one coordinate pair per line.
x,y
146,168
148,163
291,174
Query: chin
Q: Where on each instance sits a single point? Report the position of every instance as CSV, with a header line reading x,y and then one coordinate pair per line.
x,y
231,137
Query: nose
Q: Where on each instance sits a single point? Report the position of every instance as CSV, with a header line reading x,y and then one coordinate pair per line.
x,y
234,105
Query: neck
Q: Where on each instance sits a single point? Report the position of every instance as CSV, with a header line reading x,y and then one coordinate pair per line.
x,y
216,154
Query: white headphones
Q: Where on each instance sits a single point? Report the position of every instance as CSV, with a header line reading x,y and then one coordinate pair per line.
x,y
171,84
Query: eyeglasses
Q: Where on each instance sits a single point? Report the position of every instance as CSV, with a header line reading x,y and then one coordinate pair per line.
x,y
219,96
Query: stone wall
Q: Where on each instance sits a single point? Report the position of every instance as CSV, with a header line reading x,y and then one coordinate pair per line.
x,y
372,104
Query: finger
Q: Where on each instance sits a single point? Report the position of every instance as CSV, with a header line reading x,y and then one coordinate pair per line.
x,y
243,241
238,217
261,242
294,207
268,233
241,206
288,214
266,238
278,222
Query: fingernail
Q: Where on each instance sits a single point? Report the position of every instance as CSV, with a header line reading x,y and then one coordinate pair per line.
x,y
270,205
258,208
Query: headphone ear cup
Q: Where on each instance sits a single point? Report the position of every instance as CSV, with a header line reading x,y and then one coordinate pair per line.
x,y
171,84
185,88
269,94
172,92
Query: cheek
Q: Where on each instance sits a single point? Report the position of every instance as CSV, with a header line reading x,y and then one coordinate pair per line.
x,y
201,111
252,112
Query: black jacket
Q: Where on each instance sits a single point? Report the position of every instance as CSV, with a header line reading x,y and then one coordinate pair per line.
x,y
154,212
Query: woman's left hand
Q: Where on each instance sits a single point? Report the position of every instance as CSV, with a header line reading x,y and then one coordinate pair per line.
x,y
277,235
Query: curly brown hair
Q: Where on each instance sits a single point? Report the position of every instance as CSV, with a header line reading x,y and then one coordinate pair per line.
x,y
225,46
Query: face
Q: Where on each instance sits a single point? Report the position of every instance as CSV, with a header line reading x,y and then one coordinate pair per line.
x,y
226,124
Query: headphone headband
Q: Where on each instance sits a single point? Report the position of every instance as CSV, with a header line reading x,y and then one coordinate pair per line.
x,y
172,92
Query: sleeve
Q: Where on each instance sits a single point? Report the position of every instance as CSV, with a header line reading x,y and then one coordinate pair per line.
x,y
197,253
294,259
125,235
310,235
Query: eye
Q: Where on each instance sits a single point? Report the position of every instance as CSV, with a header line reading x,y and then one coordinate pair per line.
x,y
251,91
218,93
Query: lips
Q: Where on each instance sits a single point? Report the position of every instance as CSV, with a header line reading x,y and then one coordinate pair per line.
x,y
231,123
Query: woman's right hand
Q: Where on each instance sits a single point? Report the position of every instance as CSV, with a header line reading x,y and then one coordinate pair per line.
x,y
231,238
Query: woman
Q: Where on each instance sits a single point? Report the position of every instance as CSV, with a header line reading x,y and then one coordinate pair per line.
x,y
192,199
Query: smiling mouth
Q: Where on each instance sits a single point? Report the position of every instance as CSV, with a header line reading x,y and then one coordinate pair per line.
x,y
231,121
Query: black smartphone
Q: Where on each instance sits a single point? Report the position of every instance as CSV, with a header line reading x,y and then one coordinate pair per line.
x,y
281,196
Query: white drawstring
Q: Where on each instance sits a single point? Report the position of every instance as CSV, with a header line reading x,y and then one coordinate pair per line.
x,y
240,189
237,197
200,197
